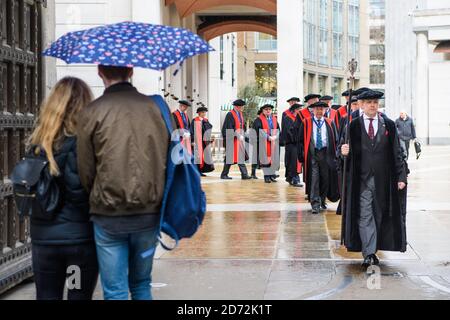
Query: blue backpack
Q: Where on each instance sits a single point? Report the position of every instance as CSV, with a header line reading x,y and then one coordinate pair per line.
x,y
184,204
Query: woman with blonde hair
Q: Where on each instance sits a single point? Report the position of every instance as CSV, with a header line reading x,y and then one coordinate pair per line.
x,y
64,247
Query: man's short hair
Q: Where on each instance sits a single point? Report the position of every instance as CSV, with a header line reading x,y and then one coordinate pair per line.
x,y
116,73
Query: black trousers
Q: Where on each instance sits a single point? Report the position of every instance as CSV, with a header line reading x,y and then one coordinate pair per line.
x,y
407,145
290,162
53,264
319,178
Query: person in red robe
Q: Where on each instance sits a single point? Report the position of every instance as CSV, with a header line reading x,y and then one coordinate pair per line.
x,y
183,124
307,111
267,131
201,131
330,113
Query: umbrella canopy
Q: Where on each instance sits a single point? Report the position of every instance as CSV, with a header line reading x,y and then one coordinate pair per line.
x,y
129,44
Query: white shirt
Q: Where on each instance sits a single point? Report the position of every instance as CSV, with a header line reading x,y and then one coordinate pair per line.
x,y
324,132
367,124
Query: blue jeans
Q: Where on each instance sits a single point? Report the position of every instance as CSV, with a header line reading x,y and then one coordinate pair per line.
x,y
122,266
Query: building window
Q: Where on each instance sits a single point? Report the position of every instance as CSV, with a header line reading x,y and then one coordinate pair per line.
x,y
336,89
377,74
377,9
222,71
353,29
323,85
265,42
266,78
323,37
337,33
310,35
377,52
233,51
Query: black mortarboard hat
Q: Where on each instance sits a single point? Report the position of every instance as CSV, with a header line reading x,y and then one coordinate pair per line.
x,y
312,96
296,106
371,94
359,91
326,98
354,99
185,103
319,104
266,106
345,93
294,99
239,103
202,109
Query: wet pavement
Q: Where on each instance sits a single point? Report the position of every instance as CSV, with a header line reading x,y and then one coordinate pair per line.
x,y
260,241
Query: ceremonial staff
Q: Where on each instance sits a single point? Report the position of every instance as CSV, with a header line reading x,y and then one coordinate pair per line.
x,y
352,67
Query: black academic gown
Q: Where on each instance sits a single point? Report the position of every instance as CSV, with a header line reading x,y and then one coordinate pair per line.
x,y
289,139
391,221
263,161
305,131
201,137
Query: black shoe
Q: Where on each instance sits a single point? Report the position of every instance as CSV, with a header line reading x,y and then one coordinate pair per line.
x,y
315,211
376,260
267,180
367,262
246,177
226,178
324,206
254,177
203,175
273,179
296,185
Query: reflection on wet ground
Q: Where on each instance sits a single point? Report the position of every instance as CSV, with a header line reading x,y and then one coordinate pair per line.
x,y
260,241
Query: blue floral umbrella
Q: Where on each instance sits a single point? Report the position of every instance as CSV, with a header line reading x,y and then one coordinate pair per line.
x,y
129,44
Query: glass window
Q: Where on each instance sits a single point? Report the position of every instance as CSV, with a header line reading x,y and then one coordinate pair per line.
x,y
266,78
377,74
322,85
337,33
337,50
377,52
336,89
377,9
265,42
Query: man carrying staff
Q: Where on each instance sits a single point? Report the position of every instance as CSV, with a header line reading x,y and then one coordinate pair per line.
x,y
317,151
233,133
374,219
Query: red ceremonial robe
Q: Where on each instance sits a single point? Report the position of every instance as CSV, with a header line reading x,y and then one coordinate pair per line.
x,y
180,125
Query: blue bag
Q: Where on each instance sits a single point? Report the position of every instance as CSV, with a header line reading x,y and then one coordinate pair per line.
x,y
184,204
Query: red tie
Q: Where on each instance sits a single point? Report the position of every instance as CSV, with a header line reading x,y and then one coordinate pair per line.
x,y
371,130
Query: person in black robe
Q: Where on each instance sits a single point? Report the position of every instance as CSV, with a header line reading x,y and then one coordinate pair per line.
x,y
254,142
375,209
267,128
233,133
201,131
317,143
288,140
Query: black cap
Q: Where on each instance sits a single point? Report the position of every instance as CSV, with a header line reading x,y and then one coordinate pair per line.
x,y
239,103
336,106
354,99
319,104
202,109
294,99
296,106
266,106
312,96
371,94
326,98
346,93
185,103
360,90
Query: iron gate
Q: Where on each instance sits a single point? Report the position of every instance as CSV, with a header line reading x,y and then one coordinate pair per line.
x,y
21,85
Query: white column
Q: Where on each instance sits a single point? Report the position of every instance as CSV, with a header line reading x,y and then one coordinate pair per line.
x,y
147,81
422,91
290,50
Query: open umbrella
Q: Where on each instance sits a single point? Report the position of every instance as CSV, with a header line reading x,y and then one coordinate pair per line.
x,y
129,44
